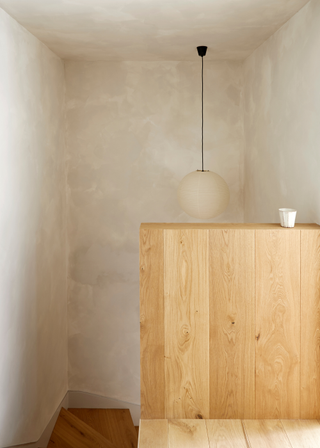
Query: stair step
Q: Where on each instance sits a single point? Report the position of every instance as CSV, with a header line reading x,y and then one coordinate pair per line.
x,y
71,432
115,425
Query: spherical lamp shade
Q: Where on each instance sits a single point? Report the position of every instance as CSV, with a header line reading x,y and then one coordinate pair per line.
x,y
203,194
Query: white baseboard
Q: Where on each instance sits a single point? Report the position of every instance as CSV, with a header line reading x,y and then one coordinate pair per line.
x,y
77,399
45,437
86,400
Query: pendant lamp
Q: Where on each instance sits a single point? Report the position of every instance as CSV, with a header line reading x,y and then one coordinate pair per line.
x,y
203,194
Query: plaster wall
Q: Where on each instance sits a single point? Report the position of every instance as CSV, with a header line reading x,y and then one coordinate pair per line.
x,y
133,132
157,30
33,320
282,110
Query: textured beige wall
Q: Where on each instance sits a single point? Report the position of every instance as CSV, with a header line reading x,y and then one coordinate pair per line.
x,y
282,116
133,133
33,347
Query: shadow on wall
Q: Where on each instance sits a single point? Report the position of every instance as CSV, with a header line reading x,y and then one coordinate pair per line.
x,y
33,325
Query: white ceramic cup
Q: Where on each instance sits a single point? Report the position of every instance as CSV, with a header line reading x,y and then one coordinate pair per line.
x,y
287,217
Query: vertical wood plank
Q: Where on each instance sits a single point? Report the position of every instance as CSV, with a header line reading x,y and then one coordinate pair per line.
x,y
232,323
310,324
152,324
186,324
188,434
266,434
302,433
278,324
226,434
153,434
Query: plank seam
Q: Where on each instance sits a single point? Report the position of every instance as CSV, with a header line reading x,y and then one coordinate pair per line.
x,y
164,239
300,323
286,434
209,324
205,422
209,313
255,322
245,434
163,324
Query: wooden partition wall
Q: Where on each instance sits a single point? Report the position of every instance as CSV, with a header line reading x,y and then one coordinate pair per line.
x,y
230,321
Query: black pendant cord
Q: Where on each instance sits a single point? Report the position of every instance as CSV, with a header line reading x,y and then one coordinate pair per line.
x,y
202,115
202,52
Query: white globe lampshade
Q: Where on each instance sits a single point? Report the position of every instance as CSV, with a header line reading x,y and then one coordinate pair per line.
x,y
203,194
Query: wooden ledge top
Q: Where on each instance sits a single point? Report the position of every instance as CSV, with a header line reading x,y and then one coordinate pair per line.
x,y
164,225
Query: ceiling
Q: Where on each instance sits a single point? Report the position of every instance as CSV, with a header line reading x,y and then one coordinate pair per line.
x,y
152,30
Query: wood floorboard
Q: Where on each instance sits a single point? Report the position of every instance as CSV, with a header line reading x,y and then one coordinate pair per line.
x,y
115,425
188,433
226,434
229,433
303,433
266,434
153,434
71,432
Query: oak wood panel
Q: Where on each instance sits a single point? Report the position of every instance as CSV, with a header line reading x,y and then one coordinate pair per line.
x,y
186,323
266,434
229,433
310,324
232,323
188,434
302,433
277,324
153,434
225,434
70,432
115,425
152,324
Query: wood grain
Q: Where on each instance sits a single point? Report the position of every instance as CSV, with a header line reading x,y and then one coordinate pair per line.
x,y
302,433
232,323
70,432
229,434
153,434
115,425
266,434
310,324
186,323
152,324
188,434
178,386
225,434
277,324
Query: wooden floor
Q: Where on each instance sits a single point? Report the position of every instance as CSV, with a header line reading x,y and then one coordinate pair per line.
x,y
94,428
229,434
